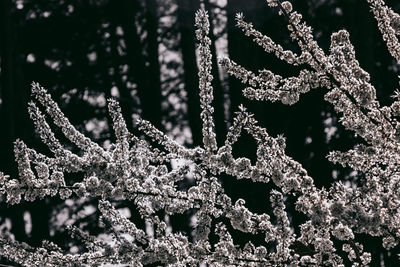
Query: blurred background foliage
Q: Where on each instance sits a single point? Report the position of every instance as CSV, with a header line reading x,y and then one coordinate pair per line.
x,y
142,52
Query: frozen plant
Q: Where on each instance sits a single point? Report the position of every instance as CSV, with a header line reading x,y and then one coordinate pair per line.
x,y
134,170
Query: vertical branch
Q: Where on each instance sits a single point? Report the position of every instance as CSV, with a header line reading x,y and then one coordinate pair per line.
x,y
205,78
234,47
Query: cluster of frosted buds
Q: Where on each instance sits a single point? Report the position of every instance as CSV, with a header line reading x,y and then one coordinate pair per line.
x,y
389,26
269,45
131,169
268,86
373,207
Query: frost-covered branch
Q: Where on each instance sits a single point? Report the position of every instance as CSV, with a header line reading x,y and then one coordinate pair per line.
x,y
141,172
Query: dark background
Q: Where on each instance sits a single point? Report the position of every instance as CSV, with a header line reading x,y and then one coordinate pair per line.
x,y
142,52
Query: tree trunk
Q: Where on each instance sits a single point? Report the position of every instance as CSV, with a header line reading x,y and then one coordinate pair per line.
x,y
153,99
186,14
218,103
146,79
9,108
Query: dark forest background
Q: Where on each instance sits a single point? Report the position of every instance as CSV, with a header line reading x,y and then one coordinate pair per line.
x,y
142,52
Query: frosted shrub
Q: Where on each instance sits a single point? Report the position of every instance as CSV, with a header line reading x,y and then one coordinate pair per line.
x,y
134,170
